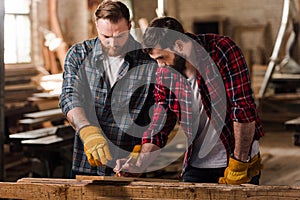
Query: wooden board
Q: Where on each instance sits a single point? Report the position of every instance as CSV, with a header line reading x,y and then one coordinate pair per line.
x,y
286,77
293,124
34,133
37,188
51,139
46,113
293,121
120,179
33,122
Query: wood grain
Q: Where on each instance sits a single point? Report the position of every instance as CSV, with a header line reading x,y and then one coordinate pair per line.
x,y
42,188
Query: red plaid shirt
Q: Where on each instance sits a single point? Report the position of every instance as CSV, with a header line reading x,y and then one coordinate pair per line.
x,y
219,60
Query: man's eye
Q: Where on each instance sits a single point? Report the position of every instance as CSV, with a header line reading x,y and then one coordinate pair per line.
x,y
120,36
105,36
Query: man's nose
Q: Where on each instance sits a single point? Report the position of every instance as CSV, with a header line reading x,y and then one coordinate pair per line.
x,y
111,41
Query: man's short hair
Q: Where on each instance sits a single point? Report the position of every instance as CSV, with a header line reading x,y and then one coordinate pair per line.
x,y
162,31
112,10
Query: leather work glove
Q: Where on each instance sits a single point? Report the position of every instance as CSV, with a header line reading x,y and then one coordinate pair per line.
x,y
135,152
255,166
236,173
95,146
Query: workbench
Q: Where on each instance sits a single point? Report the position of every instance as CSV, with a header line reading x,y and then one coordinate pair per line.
x,y
90,188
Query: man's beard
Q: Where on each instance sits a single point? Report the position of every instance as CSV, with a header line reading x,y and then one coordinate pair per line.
x,y
179,64
113,51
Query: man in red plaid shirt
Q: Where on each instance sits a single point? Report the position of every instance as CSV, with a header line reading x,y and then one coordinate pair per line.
x,y
209,93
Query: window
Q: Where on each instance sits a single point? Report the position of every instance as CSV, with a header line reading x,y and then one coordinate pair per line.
x,y
17,32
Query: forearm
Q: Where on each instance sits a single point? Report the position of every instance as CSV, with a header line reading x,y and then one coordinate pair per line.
x,y
77,118
243,135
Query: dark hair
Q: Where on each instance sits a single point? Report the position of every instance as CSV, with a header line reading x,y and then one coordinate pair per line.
x,y
163,31
112,10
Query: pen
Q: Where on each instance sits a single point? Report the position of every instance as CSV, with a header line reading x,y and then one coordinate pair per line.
x,y
129,159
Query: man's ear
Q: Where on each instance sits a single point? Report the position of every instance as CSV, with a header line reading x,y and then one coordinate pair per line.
x,y
129,25
179,46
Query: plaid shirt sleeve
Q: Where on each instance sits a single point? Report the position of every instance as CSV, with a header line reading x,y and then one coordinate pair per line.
x,y
236,80
173,103
70,96
163,119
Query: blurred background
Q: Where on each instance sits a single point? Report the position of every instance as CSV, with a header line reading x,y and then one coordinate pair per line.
x,y
36,141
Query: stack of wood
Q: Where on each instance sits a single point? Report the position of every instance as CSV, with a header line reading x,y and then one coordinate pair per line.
x,y
19,85
51,89
28,90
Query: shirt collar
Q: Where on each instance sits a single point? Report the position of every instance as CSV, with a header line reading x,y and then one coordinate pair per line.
x,y
97,51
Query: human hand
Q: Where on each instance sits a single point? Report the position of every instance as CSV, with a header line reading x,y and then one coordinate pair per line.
x,y
126,165
140,161
236,173
255,166
95,146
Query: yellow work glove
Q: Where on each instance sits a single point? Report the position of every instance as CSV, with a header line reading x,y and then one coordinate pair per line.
x,y
236,173
95,146
255,166
135,152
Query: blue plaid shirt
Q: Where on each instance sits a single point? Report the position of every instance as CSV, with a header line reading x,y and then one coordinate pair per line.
x,y
121,111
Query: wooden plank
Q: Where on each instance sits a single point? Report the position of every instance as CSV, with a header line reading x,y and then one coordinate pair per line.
x,y
283,97
46,113
51,139
286,77
34,133
73,189
21,87
293,124
62,133
52,180
120,179
293,121
44,103
33,121
46,95
20,70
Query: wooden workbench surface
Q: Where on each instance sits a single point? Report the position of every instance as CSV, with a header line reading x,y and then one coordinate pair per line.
x,y
138,188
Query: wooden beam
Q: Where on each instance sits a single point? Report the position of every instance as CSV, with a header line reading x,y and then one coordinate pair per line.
x,y
35,188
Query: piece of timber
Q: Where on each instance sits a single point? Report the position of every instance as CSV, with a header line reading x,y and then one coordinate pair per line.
x,y
95,179
42,188
45,113
293,124
33,134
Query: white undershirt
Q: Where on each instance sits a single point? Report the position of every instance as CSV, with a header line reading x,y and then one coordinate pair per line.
x,y
213,155
112,66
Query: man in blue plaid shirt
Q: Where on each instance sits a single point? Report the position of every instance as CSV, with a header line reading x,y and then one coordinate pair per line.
x,y
106,92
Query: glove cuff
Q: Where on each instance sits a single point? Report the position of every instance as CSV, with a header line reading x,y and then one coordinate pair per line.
x,y
247,161
136,151
237,165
